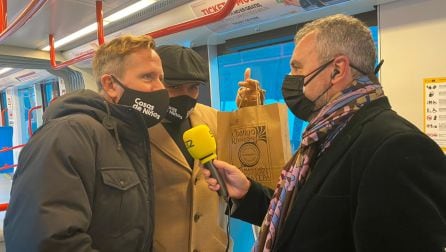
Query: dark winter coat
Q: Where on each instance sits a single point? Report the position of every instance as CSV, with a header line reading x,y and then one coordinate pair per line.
x,y
84,181
381,186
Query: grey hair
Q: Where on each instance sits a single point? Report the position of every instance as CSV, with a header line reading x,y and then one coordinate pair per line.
x,y
342,35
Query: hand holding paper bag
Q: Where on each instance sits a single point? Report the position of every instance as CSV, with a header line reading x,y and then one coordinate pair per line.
x,y
250,92
254,138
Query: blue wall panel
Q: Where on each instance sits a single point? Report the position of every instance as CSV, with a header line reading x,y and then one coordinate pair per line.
x,y
6,158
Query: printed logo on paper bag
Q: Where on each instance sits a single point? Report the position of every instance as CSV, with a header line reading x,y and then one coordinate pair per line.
x,y
249,154
250,151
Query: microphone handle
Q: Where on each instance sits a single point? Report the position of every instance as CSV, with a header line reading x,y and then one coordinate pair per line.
x,y
223,192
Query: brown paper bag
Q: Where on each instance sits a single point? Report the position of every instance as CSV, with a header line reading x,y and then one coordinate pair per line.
x,y
255,139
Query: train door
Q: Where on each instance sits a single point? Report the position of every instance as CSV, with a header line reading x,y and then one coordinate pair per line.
x,y
27,98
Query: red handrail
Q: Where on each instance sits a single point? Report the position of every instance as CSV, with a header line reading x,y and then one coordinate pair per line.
x,y
85,56
7,166
225,11
22,18
54,98
5,149
3,207
30,116
3,15
79,58
100,21
3,116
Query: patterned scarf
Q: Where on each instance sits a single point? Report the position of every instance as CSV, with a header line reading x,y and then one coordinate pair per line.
x,y
315,140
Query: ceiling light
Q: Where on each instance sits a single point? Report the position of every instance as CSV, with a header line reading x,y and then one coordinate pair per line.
x,y
128,10
73,36
5,70
112,18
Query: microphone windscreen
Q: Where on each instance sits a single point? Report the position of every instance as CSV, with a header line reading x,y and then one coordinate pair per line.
x,y
200,143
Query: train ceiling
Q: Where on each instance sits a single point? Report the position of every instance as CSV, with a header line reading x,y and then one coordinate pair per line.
x,y
64,17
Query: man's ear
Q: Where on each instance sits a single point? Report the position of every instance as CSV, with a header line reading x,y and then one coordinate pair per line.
x,y
110,88
341,75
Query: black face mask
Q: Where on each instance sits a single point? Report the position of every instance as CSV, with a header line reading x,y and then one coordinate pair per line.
x,y
292,91
152,105
180,108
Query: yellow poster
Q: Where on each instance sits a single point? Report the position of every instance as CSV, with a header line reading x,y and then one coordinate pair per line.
x,y
435,109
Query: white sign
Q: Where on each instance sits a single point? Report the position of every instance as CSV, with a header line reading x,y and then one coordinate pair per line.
x,y
10,106
247,12
244,12
435,110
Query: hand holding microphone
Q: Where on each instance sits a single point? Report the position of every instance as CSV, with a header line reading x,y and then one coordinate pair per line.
x,y
200,143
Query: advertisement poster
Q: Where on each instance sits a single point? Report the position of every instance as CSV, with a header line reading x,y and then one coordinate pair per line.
x,y
247,12
435,110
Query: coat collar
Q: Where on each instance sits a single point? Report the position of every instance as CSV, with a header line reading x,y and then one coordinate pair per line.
x,y
323,166
160,138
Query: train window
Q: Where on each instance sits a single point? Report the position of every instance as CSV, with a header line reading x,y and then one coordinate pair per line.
x,y
269,65
27,100
50,91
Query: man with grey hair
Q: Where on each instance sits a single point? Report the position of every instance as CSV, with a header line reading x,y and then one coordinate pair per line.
x,y
364,178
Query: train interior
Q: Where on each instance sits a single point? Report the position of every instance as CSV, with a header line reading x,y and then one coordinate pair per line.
x,y
46,49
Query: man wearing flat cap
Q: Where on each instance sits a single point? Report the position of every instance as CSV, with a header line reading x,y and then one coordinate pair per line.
x,y
188,216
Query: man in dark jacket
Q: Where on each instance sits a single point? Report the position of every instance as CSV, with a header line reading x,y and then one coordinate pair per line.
x,y
363,179
84,181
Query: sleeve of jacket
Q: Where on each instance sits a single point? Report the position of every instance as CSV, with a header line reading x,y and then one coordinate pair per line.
x,y
49,208
252,208
402,197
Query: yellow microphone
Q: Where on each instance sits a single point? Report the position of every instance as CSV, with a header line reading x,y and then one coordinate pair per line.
x,y
200,143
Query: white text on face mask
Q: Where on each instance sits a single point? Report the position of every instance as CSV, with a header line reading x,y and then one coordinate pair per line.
x,y
145,108
174,112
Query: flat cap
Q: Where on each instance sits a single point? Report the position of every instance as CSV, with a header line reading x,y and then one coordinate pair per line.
x,y
182,65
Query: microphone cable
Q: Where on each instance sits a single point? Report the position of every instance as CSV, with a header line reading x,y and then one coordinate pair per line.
x,y
228,229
